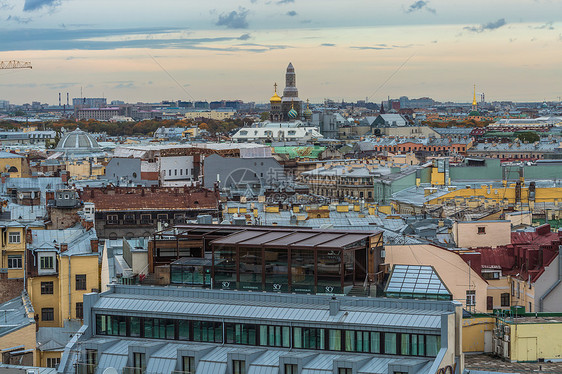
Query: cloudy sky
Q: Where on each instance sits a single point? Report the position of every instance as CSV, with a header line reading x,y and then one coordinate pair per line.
x,y
141,50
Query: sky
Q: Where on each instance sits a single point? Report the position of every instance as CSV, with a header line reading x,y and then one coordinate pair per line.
x,y
148,51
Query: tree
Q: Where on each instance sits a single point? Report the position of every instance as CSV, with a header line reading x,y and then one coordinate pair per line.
x,y
528,137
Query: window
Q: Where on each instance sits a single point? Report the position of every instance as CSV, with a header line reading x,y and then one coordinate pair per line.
x,y
345,371
14,238
80,310
47,263
139,362
470,297
238,367
530,307
14,261
481,230
80,282
162,218
130,218
505,299
53,362
46,288
47,314
490,302
188,364
390,343
112,219
91,360
145,219
291,369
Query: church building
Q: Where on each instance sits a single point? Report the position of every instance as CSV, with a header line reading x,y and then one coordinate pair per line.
x,y
289,107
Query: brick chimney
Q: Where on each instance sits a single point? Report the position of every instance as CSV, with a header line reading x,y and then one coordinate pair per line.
x,y
94,245
64,176
63,247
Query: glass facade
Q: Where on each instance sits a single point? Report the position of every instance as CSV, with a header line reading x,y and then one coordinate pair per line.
x,y
286,269
299,337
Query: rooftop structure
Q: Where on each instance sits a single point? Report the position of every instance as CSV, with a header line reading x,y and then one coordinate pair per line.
x,y
206,331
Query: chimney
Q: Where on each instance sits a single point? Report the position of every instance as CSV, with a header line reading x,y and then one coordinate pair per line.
x,y
64,176
334,306
63,247
94,245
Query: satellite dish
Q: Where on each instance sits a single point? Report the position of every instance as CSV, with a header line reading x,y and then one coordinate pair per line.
x,y
110,370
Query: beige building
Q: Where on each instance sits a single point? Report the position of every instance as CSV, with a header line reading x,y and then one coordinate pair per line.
x,y
482,233
211,114
466,285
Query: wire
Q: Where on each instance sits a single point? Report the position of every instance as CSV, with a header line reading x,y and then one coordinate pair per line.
x,y
171,76
390,77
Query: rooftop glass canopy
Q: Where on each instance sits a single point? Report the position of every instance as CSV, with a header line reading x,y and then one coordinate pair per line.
x,y
417,282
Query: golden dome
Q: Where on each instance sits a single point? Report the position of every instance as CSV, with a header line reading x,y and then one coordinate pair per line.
x,y
275,98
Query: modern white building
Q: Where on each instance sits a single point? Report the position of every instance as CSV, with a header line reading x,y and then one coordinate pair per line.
x,y
278,131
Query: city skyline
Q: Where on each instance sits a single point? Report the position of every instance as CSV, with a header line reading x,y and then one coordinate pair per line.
x,y
349,50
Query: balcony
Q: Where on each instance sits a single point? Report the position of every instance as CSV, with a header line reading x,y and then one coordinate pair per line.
x,y
83,368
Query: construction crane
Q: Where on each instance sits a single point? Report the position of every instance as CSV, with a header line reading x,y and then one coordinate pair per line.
x,y
15,65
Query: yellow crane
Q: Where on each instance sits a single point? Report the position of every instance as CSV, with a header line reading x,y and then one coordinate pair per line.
x,y
13,64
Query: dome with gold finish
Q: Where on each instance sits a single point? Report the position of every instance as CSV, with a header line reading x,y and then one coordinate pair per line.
x,y
275,98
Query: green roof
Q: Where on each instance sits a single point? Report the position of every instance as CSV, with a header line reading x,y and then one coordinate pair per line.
x,y
300,152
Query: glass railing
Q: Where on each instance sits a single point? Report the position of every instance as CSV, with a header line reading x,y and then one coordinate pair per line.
x,y
83,368
133,370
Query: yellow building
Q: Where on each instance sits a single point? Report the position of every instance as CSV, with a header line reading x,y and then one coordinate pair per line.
x,y
13,164
84,169
529,338
477,334
12,243
17,332
64,266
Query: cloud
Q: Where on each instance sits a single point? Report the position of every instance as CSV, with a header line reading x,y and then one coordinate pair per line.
x,y
291,13
234,19
18,19
100,39
31,5
487,27
327,45
368,48
546,26
4,5
379,47
419,5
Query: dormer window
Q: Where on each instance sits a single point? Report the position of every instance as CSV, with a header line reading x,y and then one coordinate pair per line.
x,y
47,263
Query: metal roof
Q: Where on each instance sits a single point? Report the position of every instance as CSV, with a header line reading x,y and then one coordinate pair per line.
x,y
267,361
269,308
271,237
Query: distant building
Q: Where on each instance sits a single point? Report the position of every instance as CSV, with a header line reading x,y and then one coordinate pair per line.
x,y
98,114
136,211
89,102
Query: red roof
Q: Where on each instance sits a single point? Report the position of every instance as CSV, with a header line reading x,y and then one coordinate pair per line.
x,y
527,255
